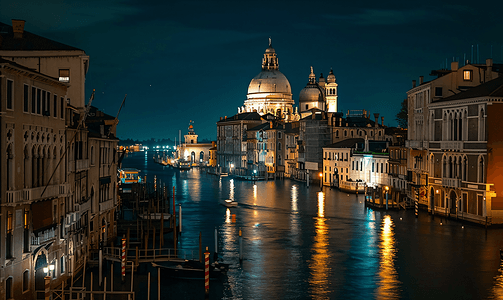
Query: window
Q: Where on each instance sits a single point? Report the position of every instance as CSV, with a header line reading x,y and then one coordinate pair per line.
x,y
39,99
8,242
47,111
8,288
307,107
26,280
55,106
10,87
33,99
438,91
64,75
62,103
26,98
62,265
26,233
467,75
44,94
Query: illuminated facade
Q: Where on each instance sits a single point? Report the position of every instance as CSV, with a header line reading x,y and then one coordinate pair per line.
x,y
32,190
270,92
454,142
59,171
194,152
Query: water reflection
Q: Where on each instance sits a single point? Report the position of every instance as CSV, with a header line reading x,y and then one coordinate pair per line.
x,y
388,284
497,291
227,215
254,194
231,187
319,284
295,196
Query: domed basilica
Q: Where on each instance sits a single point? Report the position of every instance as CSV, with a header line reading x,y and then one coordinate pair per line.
x,y
270,91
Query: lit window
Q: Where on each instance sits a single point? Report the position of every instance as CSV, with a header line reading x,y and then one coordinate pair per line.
x,y
467,75
64,75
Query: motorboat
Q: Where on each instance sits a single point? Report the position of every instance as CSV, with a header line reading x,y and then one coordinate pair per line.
x,y
229,203
191,269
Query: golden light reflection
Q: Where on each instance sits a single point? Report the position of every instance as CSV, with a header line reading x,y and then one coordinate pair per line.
x,y
497,291
231,193
388,286
228,216
254,194
321,204
320,262
295,195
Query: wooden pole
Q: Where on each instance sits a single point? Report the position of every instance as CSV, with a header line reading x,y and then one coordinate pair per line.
x,y
148,292
161,231
174,221
159,283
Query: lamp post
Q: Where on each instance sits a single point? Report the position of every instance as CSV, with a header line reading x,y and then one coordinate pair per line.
x,y
386,188
321,181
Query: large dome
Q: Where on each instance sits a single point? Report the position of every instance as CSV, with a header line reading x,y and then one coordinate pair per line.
x,y
311,93
269,81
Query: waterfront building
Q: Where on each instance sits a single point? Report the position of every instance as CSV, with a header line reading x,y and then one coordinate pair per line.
x,y
33,186
397,163
450,142
291,149
192,151
59,166
337,162
270,92
231,140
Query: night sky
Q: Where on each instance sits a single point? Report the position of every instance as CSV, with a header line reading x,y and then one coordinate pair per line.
x,y
193,60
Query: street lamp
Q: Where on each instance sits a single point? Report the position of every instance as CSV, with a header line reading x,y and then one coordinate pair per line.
x,y
386,188
254,174
321,181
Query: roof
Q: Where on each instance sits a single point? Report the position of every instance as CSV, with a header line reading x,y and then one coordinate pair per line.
x,y
493,88
29,41
348,143
14,64
243,116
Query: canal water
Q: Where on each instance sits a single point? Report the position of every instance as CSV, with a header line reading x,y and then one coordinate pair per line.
x,y
302,243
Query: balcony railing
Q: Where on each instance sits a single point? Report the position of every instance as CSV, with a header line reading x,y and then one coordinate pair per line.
x,y
451,182
78,165
32,194
43,237
451,145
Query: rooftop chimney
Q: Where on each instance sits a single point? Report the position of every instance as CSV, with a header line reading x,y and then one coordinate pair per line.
x,y
489,64
454,66
270,124
376,116
18,28
421,78
413,83
382,121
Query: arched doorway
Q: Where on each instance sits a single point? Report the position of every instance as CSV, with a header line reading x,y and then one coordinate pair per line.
x,y
192,157
452,202
40,263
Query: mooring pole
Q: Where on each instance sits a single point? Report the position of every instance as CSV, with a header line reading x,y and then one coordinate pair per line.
x,y
240,246
207,273
216,245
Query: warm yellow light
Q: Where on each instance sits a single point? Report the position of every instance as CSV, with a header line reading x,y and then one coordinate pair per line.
x,y
46,269
437,191
51,267
321,174
387,188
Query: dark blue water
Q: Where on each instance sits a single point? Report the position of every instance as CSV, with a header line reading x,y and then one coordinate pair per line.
x,y
300,243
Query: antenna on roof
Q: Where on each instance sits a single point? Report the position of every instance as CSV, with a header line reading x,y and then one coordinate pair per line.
x,y
471,60
478,53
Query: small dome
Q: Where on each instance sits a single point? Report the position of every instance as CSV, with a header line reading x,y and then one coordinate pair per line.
x,y
331,77
270,50
269,81
311,93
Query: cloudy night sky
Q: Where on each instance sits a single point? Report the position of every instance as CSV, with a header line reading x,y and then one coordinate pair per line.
x,y
193,60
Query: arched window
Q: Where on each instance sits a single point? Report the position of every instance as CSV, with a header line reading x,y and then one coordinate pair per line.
x,y
92,155
465,169
26,280
481,169
337,133
8,288
482,125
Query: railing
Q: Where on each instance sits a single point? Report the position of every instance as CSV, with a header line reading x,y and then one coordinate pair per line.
x,y
44,237
36,193
451,182
451,145
150,254
106,205
413,144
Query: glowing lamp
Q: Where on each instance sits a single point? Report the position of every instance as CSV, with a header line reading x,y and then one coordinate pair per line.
x,y
51,267
387,188
46,270
321,174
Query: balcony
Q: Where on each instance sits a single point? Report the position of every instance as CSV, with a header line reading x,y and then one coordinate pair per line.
x,y
414,144
43,237
451,145
451,182
32,194
78,165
